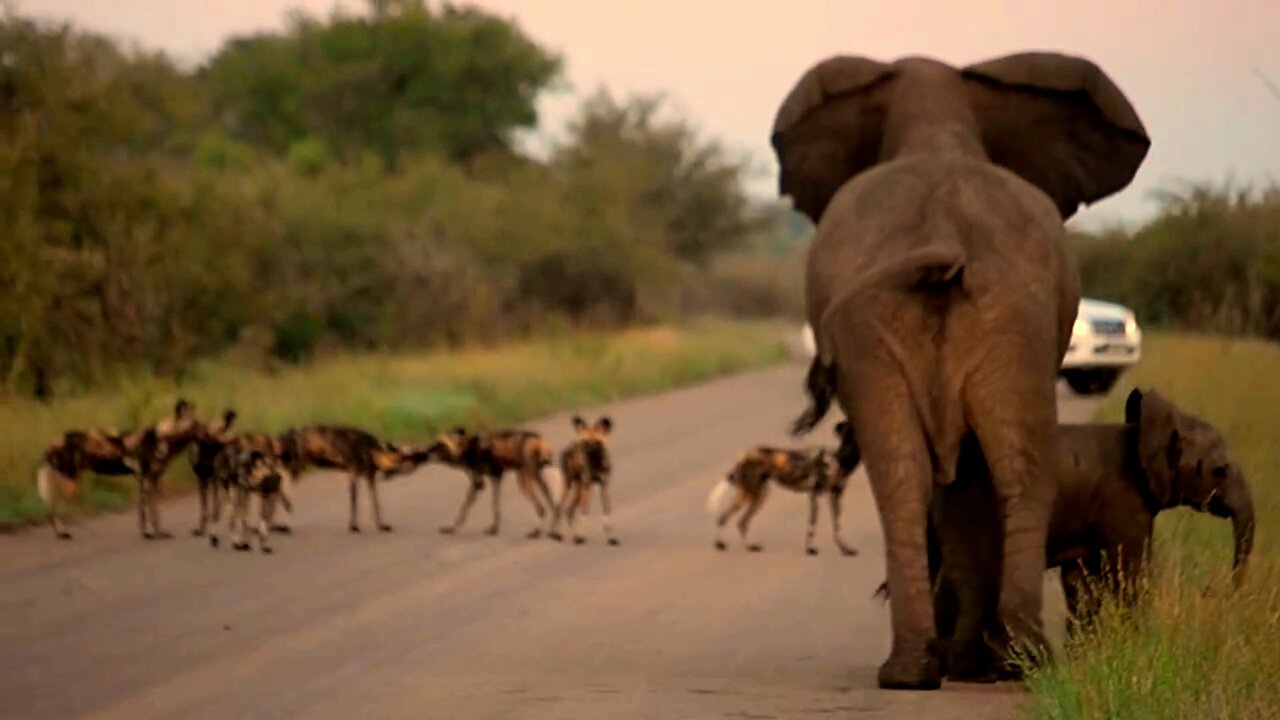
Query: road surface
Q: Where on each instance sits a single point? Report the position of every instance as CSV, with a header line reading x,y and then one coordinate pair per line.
x,y
414,624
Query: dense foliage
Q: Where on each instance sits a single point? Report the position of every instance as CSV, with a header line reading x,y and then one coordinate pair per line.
x,y
1209,262
349,182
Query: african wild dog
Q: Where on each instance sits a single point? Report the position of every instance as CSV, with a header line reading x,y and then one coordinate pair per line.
x,y
816,471
203,456
585,462
215,474
491,454
143,454
355,451
246,474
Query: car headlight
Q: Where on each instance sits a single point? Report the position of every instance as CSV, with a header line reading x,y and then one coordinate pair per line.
x,y
1131,325
1081,327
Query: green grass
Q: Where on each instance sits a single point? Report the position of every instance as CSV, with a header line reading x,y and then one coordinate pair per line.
x,y
1196,649
403,397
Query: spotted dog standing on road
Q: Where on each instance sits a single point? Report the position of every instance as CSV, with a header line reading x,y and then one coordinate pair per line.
x,y
203,457
489,455
352,450
144,454
585,463
816,471
247,474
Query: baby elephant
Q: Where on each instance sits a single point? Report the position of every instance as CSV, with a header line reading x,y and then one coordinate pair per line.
x,y
1113,479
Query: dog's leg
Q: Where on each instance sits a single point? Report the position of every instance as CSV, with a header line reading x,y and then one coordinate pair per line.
x,y
143,495
835,498
222,506
568,509
52,485
526,482
552,508
267,510
559,510
474,486
753,506
285,502
203,489
584,502
739,499
153,508
809,547
495,484
353,482
605,509
241,521
372,482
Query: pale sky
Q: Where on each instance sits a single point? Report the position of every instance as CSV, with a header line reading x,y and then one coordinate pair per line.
x,y
1188,66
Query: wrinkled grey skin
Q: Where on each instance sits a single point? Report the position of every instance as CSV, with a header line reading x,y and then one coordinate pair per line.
x,y
1113,479
939,291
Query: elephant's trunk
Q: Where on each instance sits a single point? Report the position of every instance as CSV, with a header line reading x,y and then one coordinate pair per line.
x,y
1236,502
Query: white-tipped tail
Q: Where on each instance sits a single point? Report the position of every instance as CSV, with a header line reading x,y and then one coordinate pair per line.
x,y
715,500
44,483
555,482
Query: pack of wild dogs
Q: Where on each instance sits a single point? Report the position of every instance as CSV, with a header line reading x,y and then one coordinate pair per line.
x,y
1112,481
238,472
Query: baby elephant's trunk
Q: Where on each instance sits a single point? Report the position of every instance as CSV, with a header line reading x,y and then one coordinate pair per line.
x,y
1236,502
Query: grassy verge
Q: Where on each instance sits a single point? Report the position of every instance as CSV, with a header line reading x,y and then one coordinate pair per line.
x,y
396,396
1197,649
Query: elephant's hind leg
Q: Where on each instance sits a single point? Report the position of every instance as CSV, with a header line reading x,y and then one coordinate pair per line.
x,y
1017,437
901,479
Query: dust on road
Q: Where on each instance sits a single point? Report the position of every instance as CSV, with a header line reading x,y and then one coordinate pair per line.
x,y
418,625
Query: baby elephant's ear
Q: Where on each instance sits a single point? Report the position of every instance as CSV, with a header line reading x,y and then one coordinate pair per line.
x,y
1160,440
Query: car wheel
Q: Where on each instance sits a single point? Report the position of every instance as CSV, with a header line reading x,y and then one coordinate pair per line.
x,y
1092,382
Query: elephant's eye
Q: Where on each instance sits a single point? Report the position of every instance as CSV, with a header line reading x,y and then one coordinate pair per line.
x,y
1220,472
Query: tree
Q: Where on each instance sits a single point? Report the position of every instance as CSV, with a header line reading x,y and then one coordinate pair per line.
x,y
402,78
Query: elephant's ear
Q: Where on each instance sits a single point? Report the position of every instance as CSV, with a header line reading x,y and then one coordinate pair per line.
x,y
1160,438
1058,122
828,129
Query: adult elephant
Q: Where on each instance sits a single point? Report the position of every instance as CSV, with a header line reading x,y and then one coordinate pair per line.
x,y
939,290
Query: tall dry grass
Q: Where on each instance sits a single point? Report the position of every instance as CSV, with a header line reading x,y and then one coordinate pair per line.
x,y
1196,648
398,396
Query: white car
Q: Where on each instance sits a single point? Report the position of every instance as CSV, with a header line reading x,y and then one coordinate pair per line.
x,y
1105,341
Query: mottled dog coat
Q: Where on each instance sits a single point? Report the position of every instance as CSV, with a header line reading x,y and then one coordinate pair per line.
x,y
815,471
489,455
143,454
585,464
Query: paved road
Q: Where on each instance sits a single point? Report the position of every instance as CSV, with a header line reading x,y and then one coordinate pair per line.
x,y
418,625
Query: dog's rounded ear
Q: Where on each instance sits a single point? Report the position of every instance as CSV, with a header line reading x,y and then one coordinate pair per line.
x,y
578,422
459,430
605,424
1133,407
